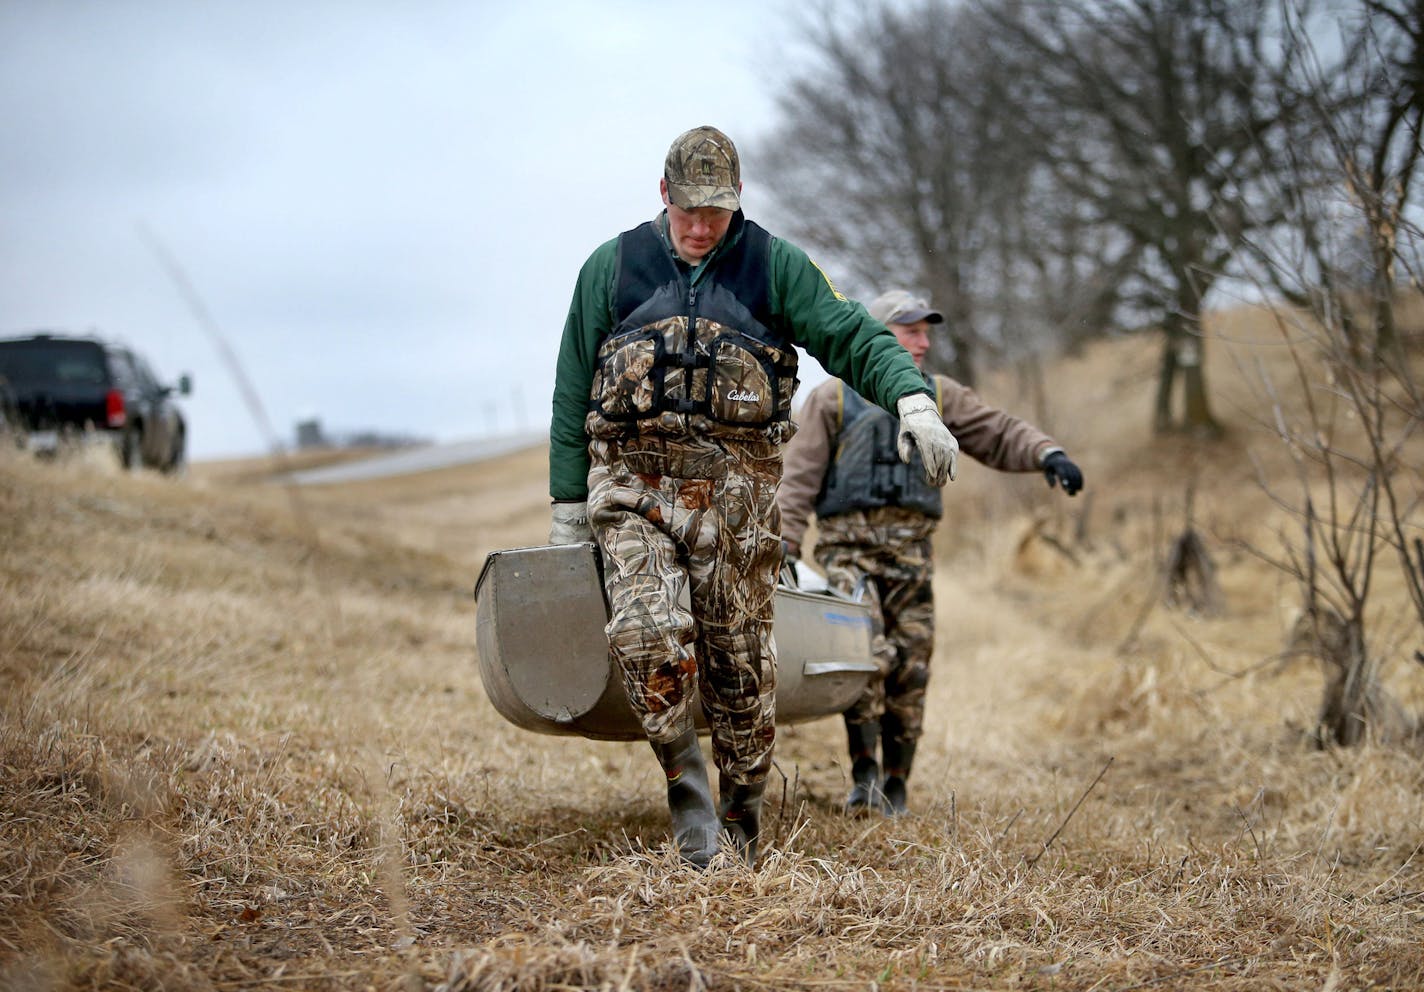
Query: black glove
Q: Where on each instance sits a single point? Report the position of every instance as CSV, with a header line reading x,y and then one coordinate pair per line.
x,y
1058,469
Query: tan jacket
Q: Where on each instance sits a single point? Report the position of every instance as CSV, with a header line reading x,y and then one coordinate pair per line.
x,y
999,440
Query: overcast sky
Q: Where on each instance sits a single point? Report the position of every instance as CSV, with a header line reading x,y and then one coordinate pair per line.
x,y
383,207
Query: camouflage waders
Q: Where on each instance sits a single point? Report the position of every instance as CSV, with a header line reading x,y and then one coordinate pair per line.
x,y
701,514
888,552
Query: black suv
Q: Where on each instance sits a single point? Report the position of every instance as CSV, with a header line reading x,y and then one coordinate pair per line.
x,y
57,388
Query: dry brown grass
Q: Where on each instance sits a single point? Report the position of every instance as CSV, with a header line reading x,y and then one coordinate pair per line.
x,y
244,745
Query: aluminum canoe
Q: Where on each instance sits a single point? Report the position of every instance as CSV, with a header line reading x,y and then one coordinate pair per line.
x,y
543,653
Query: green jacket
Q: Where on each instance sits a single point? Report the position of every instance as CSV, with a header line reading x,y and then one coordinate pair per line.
x,y
836,331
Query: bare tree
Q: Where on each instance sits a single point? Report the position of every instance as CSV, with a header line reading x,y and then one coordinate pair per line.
x,y
1360,494
1153,116
898,155
1362,162
1390,44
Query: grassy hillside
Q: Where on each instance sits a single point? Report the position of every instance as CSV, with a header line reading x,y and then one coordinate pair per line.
x,y
245,745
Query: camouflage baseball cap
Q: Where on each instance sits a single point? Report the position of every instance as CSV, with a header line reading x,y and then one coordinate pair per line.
x,y
702,170
899,306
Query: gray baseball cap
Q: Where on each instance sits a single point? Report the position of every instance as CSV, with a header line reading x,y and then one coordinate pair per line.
x,y
702,170
899,306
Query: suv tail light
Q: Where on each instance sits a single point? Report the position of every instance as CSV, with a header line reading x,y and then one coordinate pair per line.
x,y
114,408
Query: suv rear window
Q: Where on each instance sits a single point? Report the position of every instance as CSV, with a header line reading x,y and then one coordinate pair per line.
x,y
53,363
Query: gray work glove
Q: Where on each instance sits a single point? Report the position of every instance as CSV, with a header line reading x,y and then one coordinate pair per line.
x,y
921,426
570,523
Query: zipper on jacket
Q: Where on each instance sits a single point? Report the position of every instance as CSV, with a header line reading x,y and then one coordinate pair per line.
x,y
689,357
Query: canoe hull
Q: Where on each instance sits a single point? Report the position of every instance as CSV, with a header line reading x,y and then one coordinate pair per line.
x,y
543,653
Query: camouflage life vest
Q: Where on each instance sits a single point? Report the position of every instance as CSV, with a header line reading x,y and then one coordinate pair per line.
x,y
693,360
866,472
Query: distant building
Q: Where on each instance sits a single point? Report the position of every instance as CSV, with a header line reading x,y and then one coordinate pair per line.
x,y
310,435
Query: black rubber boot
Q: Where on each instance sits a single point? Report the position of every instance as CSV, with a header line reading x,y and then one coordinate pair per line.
x,y
740,809
865,796
899,755
694,821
